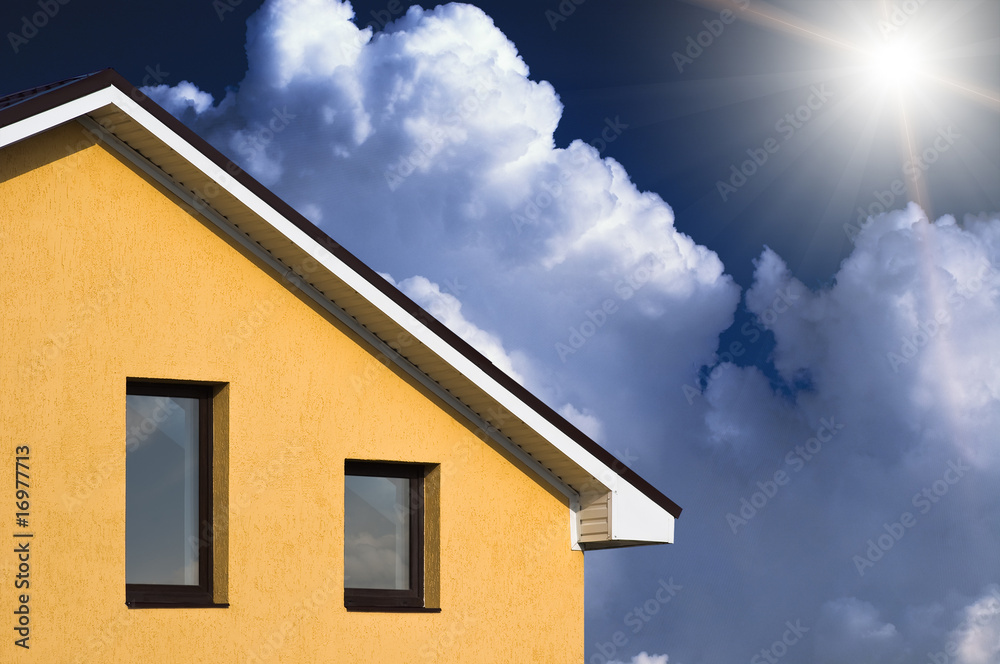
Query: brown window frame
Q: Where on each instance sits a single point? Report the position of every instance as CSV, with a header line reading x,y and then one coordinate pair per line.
x,y
150,595
411,599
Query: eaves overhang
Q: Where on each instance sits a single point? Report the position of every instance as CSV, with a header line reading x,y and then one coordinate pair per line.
x,y
612,505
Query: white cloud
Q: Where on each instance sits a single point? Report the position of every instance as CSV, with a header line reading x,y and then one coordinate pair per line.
x,y
427,149
905,339
181,97
852,630
643,658
302,39
447,309
929,293
585,421
978,636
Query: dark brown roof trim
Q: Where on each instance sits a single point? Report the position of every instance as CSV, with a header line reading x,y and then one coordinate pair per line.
x,y
18,97
41,100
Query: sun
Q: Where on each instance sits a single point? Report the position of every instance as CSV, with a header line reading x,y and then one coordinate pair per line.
x,y
894,65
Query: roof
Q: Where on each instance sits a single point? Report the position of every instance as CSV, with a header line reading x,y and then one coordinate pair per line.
x,y
614,505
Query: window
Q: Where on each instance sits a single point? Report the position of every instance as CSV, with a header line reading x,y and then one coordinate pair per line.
x,y
384,536
168,494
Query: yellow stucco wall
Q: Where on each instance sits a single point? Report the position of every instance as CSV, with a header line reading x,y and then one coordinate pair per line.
x,y
103,276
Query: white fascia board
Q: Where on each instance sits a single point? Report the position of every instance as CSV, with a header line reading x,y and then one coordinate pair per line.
x,y
56,116
574,523
634,516
643,519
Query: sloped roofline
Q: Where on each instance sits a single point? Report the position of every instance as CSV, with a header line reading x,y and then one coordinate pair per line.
x,y
29,103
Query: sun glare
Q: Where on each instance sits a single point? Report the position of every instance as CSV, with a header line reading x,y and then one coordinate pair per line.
x,y
894,65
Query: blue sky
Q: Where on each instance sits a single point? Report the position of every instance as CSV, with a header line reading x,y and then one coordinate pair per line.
x,y
656,216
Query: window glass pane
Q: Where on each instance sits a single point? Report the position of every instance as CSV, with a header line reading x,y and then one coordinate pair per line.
x,y
376,532
161,499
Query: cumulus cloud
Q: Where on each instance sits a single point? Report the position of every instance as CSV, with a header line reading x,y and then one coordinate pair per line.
x,y
901,351
181,97
851,630
643,658
447,309
903,341
977,638
585,421
427,149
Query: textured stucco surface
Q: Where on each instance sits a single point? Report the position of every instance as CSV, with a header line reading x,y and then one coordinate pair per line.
x,y
105,276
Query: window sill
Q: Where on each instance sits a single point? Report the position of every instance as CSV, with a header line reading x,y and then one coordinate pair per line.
x,y
174,605
392,609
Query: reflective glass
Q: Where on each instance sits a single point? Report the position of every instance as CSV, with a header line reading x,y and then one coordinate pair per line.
x,y
376,532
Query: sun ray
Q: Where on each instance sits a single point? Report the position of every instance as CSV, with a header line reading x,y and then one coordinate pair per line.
x,y
852,173
991,98
769,16
914,186
895,63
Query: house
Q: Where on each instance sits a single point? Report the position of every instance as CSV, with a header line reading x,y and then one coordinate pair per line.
x,y
234,442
